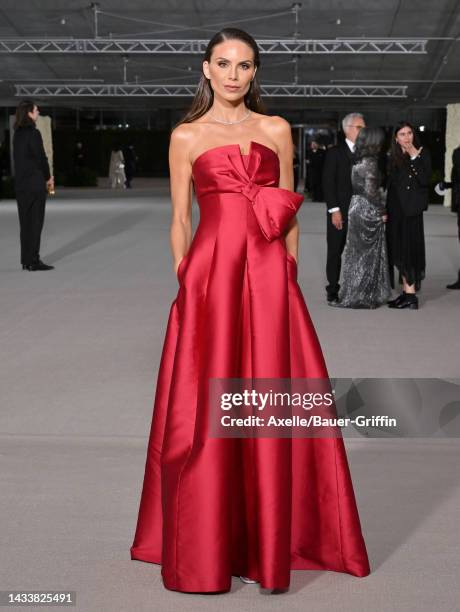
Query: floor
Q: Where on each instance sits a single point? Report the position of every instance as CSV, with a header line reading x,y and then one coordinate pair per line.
x,y
80,351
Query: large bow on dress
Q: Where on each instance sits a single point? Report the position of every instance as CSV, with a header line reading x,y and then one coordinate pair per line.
x,y
274,207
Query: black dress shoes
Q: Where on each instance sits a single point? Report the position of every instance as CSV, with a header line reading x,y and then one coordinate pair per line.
x,y
408,300
38,265
455,285
332,298
393,303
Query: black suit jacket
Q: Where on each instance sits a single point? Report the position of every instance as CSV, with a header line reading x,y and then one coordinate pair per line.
x,y
409,185
337,186
31,169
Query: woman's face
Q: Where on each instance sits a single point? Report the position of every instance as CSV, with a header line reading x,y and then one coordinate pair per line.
x,y
231,69
34,114
404,137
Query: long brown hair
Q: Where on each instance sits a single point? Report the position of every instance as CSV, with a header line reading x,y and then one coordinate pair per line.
x,y
368,142
397,156
22,113
204,95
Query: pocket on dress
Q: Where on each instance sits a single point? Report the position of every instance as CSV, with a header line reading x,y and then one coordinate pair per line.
x,y
291,266
180,268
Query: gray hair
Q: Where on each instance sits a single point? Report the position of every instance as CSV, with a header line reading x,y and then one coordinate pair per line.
x,y
348,119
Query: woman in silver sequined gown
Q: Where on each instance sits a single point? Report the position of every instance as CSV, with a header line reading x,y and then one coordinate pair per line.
x,y
366,280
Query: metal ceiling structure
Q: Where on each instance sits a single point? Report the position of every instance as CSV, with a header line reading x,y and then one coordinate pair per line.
x,y
116,90
196,46
392,54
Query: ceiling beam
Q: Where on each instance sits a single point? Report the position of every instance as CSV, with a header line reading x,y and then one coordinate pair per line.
x,y
351,46
274,91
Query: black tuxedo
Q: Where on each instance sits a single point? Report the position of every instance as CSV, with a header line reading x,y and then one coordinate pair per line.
x,y
31,171
337,189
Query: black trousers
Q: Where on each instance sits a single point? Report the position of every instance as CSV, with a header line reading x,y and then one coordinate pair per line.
x,y
317,191
129,177
31,209
335,244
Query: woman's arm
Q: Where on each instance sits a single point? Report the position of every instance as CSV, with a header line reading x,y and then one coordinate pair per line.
x,y
180,173
281,134
38,152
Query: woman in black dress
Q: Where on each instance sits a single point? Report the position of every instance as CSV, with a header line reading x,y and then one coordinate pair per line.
x,y
408,196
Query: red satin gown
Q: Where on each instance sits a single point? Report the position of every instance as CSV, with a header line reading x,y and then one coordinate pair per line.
x,y
215,508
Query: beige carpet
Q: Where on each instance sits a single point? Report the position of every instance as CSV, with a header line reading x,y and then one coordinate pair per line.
x,y
80,350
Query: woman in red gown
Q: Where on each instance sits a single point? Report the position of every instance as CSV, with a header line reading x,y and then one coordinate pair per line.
x,y
213,508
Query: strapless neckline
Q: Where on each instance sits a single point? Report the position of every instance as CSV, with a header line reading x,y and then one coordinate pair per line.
x,y
237,147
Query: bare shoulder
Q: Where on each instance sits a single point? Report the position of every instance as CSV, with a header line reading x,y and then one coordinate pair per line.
x,y
182,135
278,130
183,139
276,126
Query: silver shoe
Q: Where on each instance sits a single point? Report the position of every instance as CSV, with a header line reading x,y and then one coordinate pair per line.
x,y
248,580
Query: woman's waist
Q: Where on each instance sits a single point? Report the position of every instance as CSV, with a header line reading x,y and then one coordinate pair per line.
x,y
210,198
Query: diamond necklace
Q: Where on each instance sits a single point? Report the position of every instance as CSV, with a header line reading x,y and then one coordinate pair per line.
x,y
230,122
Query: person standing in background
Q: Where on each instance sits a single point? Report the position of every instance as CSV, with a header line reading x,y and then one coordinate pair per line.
x,y
315,164
130,158
408,196
4,165
117,174
79,156
32,179
454,184
338,190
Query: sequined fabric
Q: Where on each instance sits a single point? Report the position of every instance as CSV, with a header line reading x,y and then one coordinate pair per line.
x,y
365,274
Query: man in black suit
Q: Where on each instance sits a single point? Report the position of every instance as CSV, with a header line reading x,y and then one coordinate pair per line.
x,y
315,164
338,190
32,179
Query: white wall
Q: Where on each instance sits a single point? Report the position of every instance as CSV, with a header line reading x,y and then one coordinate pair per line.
x,y
452,142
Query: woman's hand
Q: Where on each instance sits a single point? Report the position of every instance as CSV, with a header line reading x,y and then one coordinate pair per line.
x,y
385,218
411,150
336,218
176,265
